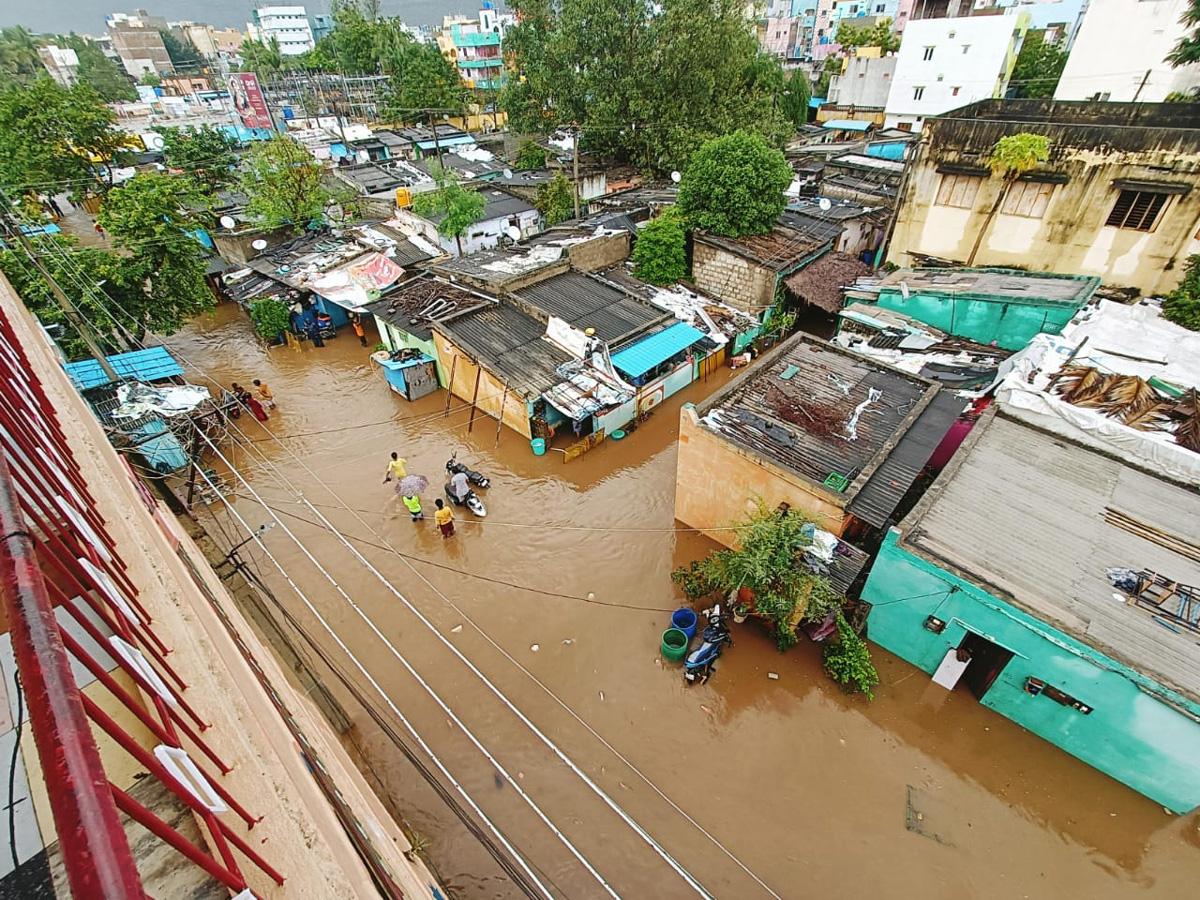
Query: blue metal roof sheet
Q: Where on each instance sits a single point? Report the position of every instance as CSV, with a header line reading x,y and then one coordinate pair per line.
x,y
638,359
847,125
151,364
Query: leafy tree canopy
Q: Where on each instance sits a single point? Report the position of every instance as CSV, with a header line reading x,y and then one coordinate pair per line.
x,y
660,253
109,80
878,35
203,152
794,101
1017,154
459,207
19,60
265,59
183,53
153,217
150,79
530,156
644,84
50,137
734,186
283,184
1182,306
1039,66
556,200
421,79
1187,51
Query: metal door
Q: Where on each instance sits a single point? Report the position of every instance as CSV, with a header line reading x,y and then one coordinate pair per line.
x,y
420,379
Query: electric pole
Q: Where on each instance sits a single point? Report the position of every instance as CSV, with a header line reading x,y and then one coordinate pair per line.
x,y
575,167
65,303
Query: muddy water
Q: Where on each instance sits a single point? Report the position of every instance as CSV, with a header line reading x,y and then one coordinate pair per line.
x,y
921,793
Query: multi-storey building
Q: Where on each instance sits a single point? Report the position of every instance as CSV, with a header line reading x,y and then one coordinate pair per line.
x,y
61,63
138,42
287,25
474,46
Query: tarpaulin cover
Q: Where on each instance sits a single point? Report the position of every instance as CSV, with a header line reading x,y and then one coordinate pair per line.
x,y
647,353
357,283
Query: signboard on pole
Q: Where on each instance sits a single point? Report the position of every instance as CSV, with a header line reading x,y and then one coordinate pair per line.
x,y
248,100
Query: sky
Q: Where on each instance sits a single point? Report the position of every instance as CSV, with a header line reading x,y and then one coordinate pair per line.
x,y
87,16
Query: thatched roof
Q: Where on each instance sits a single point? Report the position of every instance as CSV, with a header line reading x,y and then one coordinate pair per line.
x,y
820,283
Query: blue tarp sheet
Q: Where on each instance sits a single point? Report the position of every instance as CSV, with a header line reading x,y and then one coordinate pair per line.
x,y
151,364
847,125
647,353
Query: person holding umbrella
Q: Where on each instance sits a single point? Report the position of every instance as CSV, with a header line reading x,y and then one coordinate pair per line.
x,y
409,488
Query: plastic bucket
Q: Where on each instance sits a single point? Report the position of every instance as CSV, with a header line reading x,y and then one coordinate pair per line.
x,y
539,446
685,620
674,644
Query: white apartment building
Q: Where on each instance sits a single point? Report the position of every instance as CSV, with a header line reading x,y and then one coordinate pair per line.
x,y
61,63
1119,53
947,63
288,25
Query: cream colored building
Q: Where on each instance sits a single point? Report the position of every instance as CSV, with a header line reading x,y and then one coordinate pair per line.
x,y
1117,198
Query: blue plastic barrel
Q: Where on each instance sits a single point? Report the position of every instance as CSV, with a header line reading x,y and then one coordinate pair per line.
x,y
685,620
539,446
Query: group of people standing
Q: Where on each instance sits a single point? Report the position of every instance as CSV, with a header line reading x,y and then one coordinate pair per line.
x,y
443,517
259,405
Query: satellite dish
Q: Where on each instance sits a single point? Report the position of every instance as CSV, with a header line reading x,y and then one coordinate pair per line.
x,y
513,232
228,222
507,173
259,244
825,205
676,177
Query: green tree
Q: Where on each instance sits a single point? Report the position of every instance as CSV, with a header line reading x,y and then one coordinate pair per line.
x,y
1182,305
265,59
832,66
183,53
19,60
734,186
271,318
204,152
1012,157
528,97
878,35
556,200
848,660
1039,66
420,79
120,308
154,218
50,135
109,80
530,156
457,207
150,79
283,184
660,254
793,104
1187,50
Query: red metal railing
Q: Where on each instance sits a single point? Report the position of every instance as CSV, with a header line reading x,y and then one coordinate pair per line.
x,y
56,554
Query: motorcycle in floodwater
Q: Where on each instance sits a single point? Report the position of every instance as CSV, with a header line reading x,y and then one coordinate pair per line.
x,y
471,501
698,666
478,479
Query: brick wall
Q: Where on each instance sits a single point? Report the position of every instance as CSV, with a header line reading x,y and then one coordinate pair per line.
x,y
739,282
716,484
601,252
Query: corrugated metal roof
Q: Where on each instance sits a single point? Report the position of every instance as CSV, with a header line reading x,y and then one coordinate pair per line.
x,y
878,498
1024,512
586,302
508,342
151,364
638,359
847,125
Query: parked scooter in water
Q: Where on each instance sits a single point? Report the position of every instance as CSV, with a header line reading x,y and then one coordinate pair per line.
x,y
471,501
699,663
453,466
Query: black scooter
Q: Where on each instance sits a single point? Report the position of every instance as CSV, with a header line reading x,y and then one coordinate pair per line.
x,y
478,479
698,666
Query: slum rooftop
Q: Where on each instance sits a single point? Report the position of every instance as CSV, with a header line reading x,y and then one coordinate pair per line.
x,y
414,305
499,205
780,249
589,302
820,411
1026,514
496,267
1008,284
1082,113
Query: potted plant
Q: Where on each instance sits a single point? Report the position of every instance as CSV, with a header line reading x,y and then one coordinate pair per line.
x,y
848,661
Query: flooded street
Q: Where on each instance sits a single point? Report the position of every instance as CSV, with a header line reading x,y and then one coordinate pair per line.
x,y
756,787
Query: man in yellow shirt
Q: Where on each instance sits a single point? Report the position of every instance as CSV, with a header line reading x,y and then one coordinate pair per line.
x,y
395,468
444,518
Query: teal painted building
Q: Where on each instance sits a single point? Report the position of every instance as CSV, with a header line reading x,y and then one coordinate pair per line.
x,y
1005,558
984,305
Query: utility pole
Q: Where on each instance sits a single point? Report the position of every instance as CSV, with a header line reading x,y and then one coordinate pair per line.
x,y
1138,92
575,167
437,145
65,303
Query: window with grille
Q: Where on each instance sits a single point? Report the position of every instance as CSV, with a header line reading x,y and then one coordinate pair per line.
x,y
1137,210
958,190
918,92
1027,198
928,53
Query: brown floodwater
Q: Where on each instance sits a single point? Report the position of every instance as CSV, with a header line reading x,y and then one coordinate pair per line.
x,y
919,793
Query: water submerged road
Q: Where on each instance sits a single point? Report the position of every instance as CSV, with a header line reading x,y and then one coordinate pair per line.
x,y
919,793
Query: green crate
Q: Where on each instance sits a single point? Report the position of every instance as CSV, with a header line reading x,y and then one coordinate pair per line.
x,y
837,482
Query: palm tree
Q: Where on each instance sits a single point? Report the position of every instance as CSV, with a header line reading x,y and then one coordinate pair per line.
x,y
1011,158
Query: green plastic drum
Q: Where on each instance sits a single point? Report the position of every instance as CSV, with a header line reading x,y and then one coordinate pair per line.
x,y
674,644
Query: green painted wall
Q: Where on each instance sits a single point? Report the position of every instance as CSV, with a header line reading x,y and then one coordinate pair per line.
x,y
1011,324
1131,735
395,339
